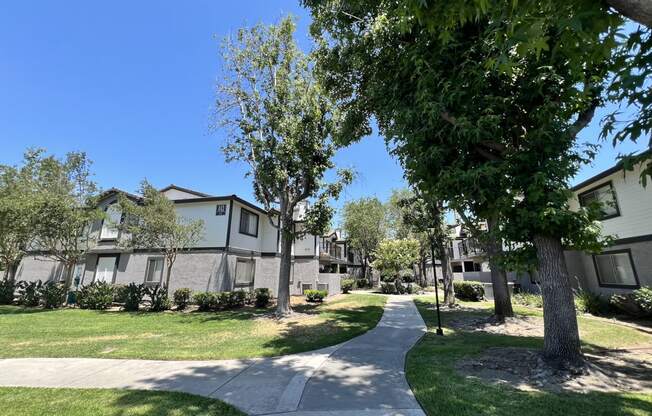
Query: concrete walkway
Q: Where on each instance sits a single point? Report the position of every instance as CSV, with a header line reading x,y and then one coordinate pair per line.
x,y
363,376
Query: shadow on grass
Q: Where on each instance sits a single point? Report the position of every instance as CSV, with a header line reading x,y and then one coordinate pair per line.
x,y
340,325
441,390
21,310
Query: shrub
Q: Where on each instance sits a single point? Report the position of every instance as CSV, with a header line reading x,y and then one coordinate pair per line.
x,y
401,288
134,297
588,302
7,290
347,285
223,299
29,293
206,301
158,298
53,294
263,297
528,299
413,288
237,299
120,293
469,290
97,295
388,288
406,275
643,298
182,298
362,283
636,304
315,295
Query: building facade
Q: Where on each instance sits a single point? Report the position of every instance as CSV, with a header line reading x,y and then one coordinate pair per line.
x,y
239,249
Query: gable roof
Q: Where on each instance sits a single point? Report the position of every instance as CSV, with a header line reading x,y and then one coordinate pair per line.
x,y
186,190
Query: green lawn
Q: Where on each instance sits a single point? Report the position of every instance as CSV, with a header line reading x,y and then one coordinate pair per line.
x,y
187,336
440,390
75,402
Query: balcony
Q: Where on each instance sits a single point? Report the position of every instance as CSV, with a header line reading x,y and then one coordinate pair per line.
x,y
469,247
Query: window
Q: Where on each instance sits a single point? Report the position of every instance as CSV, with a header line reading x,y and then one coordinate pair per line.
x,y
105,269
154,271
244,272
248,223
110,224
220,209
468,266
615,269
457,267
605,196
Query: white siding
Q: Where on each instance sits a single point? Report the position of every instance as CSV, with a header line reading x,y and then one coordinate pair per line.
x,y
244,241
214,225
634,203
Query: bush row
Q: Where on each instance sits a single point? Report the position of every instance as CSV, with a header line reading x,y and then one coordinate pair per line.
x,y
50,295
210,301
638,303
102,295
398,287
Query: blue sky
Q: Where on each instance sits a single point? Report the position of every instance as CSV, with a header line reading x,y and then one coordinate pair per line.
x,y
132,84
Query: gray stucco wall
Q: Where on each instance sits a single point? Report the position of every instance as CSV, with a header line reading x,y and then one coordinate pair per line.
x,y
199,271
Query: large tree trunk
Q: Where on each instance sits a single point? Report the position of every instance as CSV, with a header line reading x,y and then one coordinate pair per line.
x,y
561,337
168,273
68,270
446,274
639,11
502,300
283,307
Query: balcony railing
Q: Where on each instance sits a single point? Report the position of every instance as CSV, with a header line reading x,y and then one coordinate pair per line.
x,y
469,247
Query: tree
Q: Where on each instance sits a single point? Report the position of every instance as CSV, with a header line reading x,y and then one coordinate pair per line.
x,y
65,207
395,224
431,86
425,215
365,227
279,122
17,207
393,256
153,222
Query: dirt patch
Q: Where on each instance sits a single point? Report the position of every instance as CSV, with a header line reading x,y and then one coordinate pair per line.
x,y
518,326
525,369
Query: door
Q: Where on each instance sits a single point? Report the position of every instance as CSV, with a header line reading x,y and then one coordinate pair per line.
x,y
105,269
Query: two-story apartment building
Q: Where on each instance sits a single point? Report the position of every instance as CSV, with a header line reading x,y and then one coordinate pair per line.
x,y
627,216
239,249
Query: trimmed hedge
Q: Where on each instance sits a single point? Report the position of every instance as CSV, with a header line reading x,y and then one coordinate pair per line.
x,y
210,301
315,295
469,290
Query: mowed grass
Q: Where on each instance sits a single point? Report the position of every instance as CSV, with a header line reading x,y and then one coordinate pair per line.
x,y
75,402
185,336
440,390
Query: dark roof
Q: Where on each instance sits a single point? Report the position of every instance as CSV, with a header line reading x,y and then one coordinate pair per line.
x,y
615,168
186,190
112,191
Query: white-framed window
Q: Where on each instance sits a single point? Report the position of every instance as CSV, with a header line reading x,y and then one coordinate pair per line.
x,y
605,196
248,223
105,269
244,272
154,271
110,224
615,269
220,209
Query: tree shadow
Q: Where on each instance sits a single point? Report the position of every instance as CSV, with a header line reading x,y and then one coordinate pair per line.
x,y
22,310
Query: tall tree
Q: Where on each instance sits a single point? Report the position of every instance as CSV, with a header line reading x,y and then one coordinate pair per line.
x,y
433,92
425,215
153,222
65,208
279,122
365,227
17,207
396,226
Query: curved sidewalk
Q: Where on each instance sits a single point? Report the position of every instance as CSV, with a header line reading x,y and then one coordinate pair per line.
x,y
363,376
